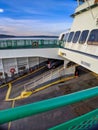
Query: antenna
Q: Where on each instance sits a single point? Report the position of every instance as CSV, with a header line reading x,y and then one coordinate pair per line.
x,y
87,1
78,2
90,9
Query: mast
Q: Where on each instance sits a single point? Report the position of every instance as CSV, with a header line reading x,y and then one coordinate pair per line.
x,y
78,2
88,3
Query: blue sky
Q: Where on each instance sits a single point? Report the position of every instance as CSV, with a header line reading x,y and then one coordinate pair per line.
x,y
35,17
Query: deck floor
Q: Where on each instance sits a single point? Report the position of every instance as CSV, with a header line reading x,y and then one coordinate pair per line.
x,y
52,118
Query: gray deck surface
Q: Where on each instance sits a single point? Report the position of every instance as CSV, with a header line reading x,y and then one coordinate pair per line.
x,y
49,119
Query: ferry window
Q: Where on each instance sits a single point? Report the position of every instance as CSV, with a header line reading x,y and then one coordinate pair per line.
x,y
3,44
93,38
27,42
62,37
70,36
83,36
9,43
76,37
66,36
14,42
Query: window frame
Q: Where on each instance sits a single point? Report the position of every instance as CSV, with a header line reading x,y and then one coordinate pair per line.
x,y
76,37
70,37
82,38
93,33
65,37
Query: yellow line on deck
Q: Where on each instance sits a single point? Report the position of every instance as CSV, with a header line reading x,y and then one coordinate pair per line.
x,y
26,94
96,75
22,77
27,74
8,92
56,82
3,85
9,124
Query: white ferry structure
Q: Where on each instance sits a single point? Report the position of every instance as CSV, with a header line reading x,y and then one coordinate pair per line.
x,y
81,41
79,45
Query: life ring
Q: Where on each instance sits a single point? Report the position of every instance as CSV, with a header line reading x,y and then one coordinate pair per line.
x,y
12,70
35,44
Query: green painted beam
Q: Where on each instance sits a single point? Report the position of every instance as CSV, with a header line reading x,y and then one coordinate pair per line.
x,y
80,123
30,44
46,105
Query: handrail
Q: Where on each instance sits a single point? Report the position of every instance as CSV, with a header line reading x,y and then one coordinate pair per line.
x,y
21,44
46,105
42,78
80,123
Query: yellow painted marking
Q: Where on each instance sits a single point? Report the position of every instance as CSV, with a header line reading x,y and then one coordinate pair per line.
x,y
10,86
3,85
27,74
60,53
56,82
12,99
9,124
22,77
9,91
25,94
96,75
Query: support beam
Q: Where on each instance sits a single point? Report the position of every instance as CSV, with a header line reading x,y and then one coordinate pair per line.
x,y
46,105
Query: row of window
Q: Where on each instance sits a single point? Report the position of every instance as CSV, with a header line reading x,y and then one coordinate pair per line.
x,y
81,37
12,43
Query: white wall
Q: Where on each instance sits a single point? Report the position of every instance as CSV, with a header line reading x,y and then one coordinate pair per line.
x,y
16,53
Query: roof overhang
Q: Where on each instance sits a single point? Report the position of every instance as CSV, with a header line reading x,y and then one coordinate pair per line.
x,y
86,9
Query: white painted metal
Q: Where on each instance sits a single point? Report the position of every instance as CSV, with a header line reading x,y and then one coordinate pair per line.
x,y
41,59
22,62
86,20
16,53
8,64
33,61
1,69
85,61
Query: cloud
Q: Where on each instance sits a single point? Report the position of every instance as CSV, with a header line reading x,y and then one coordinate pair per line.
x,y
48,8
50,17
32,27
1,10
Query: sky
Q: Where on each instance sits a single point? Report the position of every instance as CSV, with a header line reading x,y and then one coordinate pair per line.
x,y
35,17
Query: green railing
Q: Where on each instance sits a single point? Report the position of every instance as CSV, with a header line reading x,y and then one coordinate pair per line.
x,y
19,44
47,105
84,122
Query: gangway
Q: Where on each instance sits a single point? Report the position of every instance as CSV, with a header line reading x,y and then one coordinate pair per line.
x,y
52,74
29,48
